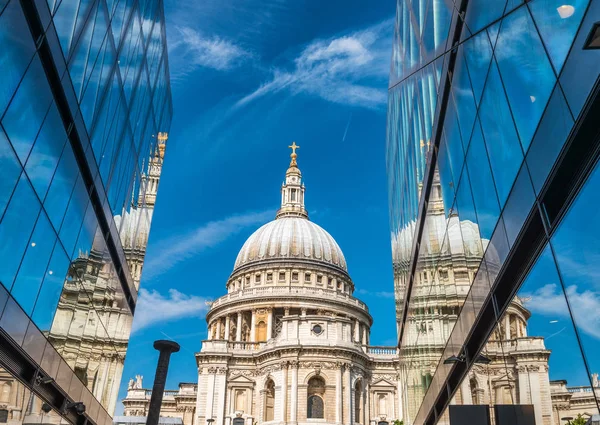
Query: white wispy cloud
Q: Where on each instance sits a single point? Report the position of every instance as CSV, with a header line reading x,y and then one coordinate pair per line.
x,y
182,247
153,307
350,69
191,49
585,305
378,294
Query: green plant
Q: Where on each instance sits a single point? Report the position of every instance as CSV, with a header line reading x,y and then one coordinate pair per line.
x,y
579,420
401,422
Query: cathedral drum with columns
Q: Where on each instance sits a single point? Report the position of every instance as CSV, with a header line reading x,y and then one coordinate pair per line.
x,y
289,343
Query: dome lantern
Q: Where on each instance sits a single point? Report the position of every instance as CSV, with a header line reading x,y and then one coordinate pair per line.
x,y
292,190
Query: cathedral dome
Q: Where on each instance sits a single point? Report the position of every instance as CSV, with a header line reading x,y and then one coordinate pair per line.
x,y
294,238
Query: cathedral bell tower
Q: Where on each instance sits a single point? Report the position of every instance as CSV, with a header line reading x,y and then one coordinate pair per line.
x,y
151,177
292,190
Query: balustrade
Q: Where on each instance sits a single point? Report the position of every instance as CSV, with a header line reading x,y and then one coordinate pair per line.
x,y
283,290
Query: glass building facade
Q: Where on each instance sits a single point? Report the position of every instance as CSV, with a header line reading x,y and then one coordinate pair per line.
x,y
85,108
494,183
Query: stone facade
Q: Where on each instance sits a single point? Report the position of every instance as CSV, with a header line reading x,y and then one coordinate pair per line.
x,y
289,344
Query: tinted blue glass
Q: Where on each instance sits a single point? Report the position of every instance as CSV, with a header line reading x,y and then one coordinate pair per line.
x,y
557,22
542,294
49,294
478,56
15,229
33,268
498,248
463,97
526,71
518,205
11,169
500,136
482,184
580,71
446,180
74,216
46,152
64,21
549,138
454,142
14,321
16,53
481,13
61,187
23,117
575,244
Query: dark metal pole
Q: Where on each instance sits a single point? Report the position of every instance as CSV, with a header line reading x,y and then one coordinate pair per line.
x,y
166,348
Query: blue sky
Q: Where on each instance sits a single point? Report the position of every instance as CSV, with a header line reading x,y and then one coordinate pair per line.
x,y
248,78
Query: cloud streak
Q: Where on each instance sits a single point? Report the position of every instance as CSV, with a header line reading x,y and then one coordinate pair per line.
x,y
183,247
350,69
191,50
153,307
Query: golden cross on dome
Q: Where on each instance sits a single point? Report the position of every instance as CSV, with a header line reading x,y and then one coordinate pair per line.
x,y
293,147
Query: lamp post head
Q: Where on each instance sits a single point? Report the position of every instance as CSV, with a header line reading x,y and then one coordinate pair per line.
x,y
166,345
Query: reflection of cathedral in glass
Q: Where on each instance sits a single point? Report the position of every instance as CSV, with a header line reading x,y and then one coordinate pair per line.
x,y
92,322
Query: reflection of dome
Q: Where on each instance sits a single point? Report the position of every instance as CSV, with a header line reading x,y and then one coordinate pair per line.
x,y
291,238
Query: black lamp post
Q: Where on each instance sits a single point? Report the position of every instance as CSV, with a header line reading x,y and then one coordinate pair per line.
x,y
165,348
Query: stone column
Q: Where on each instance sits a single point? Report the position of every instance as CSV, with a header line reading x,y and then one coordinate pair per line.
x,y
367,404
210,331
399,401
535,390
348,383
210,392
284,392
356,331
220,387
364,337
338,394
270,325
238,331
294,394
218,329
465,391
253,327
227,327
506,326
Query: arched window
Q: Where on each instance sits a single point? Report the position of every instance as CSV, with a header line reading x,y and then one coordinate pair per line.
x,y
5,392
358,402
316,391
269,413
474,391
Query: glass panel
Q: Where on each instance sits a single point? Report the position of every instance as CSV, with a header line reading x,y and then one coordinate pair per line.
x,y
482,184
549,138
580,71
52,285
15,228
575,244
61,187
478,55
500,136
519,204
526,71
14,321
33,267
481,13
46,152
23,117
11,169
16,53
558,22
